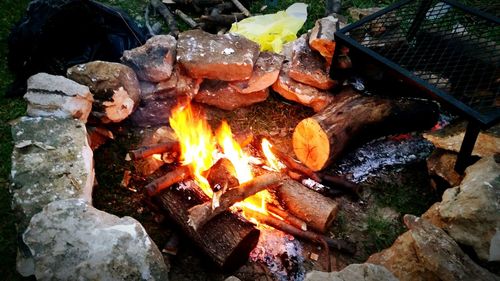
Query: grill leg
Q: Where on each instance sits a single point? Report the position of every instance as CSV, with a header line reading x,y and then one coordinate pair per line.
x,y
464,156
419,18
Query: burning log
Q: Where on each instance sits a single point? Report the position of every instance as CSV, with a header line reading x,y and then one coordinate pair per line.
x,y
320,139
222,175
335,244
226,239
201,214
180,173
167,15
147,151
315,209
293,220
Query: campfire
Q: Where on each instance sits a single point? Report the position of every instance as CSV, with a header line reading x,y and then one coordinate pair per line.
x,y
215,179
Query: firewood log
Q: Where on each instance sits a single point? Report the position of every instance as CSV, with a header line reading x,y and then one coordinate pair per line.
x,y
320,139
315,209
178,174
226,239
222,175
291,219
200,214
146,151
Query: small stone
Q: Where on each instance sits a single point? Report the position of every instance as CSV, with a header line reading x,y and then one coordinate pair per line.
x,y
308,67
223,96
57,96
71,240
299,92
227,57
154,60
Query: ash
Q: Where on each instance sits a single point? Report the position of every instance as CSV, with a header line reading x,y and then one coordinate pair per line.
x,y
383,153
281,253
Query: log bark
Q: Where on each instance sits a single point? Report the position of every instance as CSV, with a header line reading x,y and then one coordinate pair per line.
x,y
313,208
222,175
226,239
201,214
146,151
180,173
320,139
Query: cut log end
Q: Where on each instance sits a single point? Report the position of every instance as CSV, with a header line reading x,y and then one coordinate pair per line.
x,y
311,144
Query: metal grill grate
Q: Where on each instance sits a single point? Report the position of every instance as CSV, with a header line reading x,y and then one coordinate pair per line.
x,y
451,50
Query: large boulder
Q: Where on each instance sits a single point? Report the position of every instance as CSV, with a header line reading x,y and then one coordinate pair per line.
x,y
441,254
51,160
58,96
71,240
227,57
426,252
354,272
154,60
471,212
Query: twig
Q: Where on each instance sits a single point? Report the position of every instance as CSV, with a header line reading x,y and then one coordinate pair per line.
x,y
241,7
293,220
187,19
179,174
147,151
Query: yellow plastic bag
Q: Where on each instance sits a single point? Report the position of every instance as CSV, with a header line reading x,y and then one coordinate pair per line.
x,y
273,30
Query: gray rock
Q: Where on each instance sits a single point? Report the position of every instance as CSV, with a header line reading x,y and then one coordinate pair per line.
x,y
51,160
354,272
154,60
471,211
71,240
227,57
441,254
114,85
51,95
221,95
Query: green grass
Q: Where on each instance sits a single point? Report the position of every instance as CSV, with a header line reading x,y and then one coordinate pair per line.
x,y
381,232
10,12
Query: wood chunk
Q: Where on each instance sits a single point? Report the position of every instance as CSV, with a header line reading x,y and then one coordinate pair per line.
x,y
308,67
322,37
221,95
315,209
320,139
265,73
301,93
223,175
226,239
227,57
200,214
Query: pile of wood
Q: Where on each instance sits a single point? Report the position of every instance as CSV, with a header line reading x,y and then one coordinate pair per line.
x,y
209,15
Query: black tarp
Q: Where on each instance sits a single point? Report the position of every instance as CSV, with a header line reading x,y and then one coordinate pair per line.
x,y
57,34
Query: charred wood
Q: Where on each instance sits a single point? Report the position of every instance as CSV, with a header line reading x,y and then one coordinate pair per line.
x,y
226,239
222,19
201,214
147,151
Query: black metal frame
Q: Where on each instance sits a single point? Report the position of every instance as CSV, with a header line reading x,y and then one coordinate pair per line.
x,y
476,119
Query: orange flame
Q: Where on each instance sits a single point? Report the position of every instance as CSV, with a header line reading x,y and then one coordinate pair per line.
x,y
196,142
271,159
198,145
232,151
